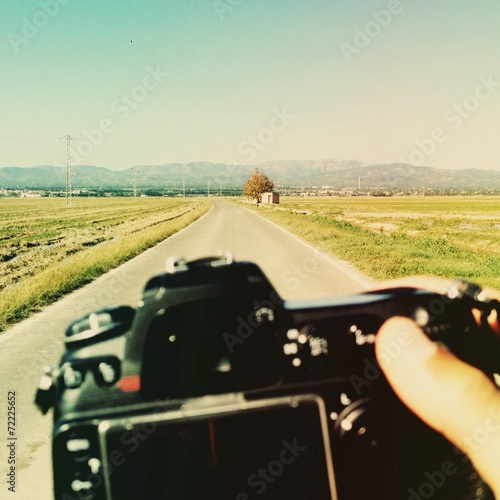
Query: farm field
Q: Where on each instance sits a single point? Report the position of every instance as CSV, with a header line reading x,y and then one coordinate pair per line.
x,y
401,236
48,249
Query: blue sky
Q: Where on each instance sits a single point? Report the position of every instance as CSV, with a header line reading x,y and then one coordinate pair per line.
x,y
250,81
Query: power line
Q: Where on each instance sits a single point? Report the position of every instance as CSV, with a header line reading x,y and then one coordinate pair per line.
x,y
29,139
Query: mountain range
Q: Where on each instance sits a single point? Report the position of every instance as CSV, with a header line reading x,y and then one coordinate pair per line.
x,y
326,174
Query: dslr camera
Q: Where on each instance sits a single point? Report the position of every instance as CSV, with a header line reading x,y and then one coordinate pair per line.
x,y
214,387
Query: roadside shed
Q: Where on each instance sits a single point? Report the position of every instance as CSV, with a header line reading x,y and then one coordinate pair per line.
x,y
270,197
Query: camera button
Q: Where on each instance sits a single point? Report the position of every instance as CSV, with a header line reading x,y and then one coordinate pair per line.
x,y
78,485
76,445
290,348
79,448
72,378
94,465
83,489
345,400
352,421
107,373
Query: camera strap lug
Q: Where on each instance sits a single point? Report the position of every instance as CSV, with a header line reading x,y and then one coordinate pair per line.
x,y
45,396
176,264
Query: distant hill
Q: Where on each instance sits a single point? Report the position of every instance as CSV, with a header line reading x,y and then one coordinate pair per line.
x,y
328,174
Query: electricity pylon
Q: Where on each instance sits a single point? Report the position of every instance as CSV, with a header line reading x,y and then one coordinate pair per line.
x,y
68,168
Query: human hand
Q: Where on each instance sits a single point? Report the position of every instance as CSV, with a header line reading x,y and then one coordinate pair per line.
x,y
454,398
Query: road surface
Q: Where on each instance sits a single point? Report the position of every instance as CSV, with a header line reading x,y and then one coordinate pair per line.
x,y
296,269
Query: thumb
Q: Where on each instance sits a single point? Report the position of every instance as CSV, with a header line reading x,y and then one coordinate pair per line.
x,y
454,398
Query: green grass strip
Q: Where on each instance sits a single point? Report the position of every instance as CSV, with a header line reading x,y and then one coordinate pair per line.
x,y
387,255
19,301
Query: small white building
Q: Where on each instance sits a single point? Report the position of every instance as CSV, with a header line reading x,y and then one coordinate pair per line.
x,y
270,197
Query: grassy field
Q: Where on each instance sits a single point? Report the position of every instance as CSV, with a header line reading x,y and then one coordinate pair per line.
x,y
401,236
48,249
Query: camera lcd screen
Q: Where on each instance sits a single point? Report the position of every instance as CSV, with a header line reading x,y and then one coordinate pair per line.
x,y
271,452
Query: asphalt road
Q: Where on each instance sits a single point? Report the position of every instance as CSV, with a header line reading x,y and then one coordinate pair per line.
x,y
295,268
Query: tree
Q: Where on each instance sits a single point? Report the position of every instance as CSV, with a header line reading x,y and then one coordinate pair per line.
x,y
256,184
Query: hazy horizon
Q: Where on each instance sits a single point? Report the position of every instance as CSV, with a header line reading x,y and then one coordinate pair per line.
x,y
249,166
250,81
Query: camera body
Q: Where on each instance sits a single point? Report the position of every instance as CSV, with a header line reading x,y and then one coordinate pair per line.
x,y
215,387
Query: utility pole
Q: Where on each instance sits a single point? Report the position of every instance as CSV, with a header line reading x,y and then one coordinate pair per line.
x,y
183,186
135,168
220,189
208,188
68,168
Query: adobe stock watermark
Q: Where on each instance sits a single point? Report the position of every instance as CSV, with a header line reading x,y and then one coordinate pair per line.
x,y
453,117
121,108
482,434
388,353
263,311
280,120
39,20
264,476
298,273
434,481
131,441
364,36
222,8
